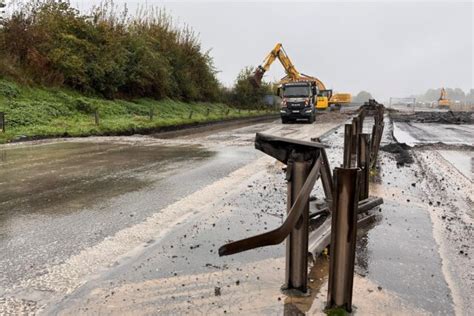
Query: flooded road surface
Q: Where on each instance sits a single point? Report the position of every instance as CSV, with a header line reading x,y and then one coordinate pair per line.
x,y
413,133
163,259
71,210
57,199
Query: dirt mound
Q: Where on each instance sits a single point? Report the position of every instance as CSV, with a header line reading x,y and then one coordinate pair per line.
x,y
401,151
449,117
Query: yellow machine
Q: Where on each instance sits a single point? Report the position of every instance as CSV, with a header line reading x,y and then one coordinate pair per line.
x,y
324,98
340,99
292,75
443,100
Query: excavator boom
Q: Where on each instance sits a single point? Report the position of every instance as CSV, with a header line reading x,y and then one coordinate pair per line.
x,y
294,76
443,100
278,52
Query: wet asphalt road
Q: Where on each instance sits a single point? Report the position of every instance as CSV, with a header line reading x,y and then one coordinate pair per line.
x,y
134,224
60,198
430,133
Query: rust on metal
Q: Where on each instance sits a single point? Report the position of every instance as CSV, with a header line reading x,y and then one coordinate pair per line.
x,y
289,152
343,238
276,236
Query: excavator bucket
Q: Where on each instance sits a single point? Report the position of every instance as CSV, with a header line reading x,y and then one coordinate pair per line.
x,y
256,79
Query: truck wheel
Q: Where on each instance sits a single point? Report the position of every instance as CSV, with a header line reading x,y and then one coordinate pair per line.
x,y
312,118
284,120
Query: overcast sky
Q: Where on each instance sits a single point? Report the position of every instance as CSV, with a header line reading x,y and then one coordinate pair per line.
x,y
388,48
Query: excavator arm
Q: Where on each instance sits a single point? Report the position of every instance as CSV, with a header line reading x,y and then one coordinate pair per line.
x,y
278,52
444,95
443,100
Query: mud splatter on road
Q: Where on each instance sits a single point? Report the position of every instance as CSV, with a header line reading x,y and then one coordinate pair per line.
x,y
82,241
164,258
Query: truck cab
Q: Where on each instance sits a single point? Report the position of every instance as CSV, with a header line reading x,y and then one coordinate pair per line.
x,y
298,101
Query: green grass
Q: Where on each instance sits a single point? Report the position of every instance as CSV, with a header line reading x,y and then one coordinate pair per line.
x,y
47,112
338,311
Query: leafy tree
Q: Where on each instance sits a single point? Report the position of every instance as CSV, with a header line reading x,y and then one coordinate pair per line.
x,y
107,53
434,94
244,94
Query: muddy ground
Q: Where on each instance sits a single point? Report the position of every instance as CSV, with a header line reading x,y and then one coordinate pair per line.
x,y
132,225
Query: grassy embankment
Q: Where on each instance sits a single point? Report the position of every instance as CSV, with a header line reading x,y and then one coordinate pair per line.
x,y
54,112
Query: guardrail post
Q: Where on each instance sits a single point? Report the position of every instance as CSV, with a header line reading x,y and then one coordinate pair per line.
x,y
151,114
354,140
362,115
297,242
347,146
2,121
343,237
190,115
363,162
304,162
96,117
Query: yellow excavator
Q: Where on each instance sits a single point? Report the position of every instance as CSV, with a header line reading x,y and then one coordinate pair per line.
x,y
323,97
443,101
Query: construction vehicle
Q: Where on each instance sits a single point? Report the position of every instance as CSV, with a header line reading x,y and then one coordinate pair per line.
x,y
293,107
339,99
298,99
443,101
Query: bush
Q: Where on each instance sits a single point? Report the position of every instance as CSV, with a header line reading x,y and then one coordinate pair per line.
x,y
84,106
8,89
106,52
244,94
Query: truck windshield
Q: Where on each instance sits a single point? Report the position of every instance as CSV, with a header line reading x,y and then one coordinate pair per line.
x,y
296,91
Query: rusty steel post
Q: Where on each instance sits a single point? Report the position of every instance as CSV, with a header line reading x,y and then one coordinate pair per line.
x,y
354,140
362,115
373,142
343,237
297,242
347,146
375,145
363,162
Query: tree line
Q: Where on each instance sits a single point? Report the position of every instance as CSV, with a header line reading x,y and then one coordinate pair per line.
x,y
455,94
106,52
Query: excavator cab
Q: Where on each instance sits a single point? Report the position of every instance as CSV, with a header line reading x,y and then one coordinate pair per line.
x,y
323,99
